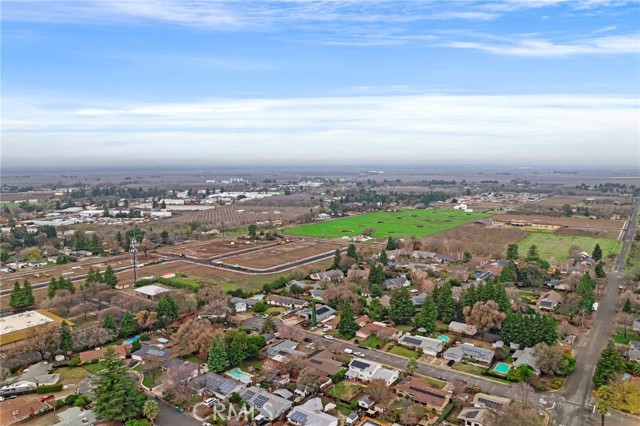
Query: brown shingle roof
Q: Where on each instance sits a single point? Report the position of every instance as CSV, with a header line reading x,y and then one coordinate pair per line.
x,y
423,392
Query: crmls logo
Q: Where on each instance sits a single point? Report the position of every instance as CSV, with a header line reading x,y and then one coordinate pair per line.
x,y
248,411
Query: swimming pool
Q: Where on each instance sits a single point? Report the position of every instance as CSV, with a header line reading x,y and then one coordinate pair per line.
x,y
131,340
443,338
258,296
240,375
502,368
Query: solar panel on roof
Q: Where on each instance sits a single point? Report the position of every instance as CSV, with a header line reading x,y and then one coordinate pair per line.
x,y
426,392
489,403
315,361
248,395
226,387
155,352
359,364
298,417
411,341
322,310
260,401
472,414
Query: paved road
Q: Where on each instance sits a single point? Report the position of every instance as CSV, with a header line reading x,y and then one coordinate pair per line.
x,y
400,362
169,416
574,402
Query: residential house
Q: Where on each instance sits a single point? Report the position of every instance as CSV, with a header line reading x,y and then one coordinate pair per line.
x,y
328,276
282,350
97,354
288,302
76,416
378,329
152,292
291,283
444,258
352,418
550,300
269,406
634,351
483,400
470,352
152,353
483,276
187,368
363,320
462,328
366,402
323,362
283,393
216,385
526,357
322,313
241,305
16,410
419,299
395,283
332,322
421,392
365,370
317,294
427,345
476,417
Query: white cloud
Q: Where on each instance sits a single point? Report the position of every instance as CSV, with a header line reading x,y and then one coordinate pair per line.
x,y
608,45
400,129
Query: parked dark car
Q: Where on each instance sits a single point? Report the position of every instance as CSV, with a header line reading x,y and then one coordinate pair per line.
x,y
363,347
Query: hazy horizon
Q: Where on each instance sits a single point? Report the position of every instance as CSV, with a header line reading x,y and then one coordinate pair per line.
x,y
172,83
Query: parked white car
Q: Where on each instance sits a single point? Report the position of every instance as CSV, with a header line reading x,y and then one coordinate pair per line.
x,y
348,351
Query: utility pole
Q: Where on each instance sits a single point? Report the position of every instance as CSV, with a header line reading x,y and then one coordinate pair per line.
x,y
133,249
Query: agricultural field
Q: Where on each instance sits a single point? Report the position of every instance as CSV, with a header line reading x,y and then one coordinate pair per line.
x,y
280,254
602,206
206,249
403,223
558,245
239,215
579,226
478,240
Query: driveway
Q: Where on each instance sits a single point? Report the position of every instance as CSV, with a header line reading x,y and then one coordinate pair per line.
x,y
169,416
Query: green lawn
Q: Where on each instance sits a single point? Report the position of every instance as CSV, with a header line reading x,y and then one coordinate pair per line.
x,y
470,368
149,381
195,360
403,223
558,245
344,391
94,368
404,328
402,351
621,340
373,342
71,374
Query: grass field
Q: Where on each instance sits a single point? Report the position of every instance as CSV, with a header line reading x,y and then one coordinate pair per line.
x,y
402,351
558,245
403,223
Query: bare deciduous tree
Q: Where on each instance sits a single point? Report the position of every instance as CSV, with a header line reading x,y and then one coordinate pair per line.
x,y
485,315
379,391
196,336
522,391
549,358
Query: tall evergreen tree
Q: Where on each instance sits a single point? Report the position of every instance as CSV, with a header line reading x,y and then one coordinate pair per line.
x,y
15,300
66,341
376,274
236,341
627,308
401,307
609,364
314,317
167,310
383,257
109,323
446,304
375,310
347,325
352,252
337,258
532,252
427,315
391,244
599,270
509,273
512,251
27,291
128,325
53,287
110,277
597,253
217,360
117,396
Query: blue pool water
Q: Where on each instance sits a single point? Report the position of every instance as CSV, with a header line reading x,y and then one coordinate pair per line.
x,y
258,296
502,368
443,338
131,340
240,375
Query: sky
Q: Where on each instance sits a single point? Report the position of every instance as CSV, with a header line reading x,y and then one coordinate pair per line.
x,y
156,83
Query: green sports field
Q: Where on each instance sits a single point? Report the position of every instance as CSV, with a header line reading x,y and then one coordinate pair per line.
x,y
403,223
558,245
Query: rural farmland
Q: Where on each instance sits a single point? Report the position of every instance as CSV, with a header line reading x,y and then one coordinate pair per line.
x,y
558,245
402,223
